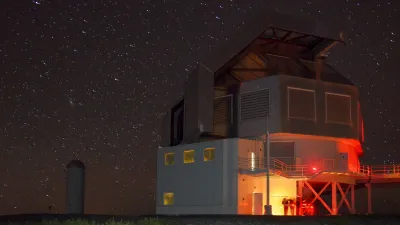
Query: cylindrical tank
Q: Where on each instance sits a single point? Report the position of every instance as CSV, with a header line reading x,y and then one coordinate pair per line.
x,y
75,187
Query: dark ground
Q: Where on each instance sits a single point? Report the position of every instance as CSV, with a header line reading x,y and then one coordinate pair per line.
x,y
213,219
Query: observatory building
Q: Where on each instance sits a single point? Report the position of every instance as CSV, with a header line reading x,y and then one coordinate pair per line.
x,y
263,120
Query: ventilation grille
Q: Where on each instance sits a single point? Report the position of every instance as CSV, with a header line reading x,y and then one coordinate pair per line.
x,y
254,104
222,109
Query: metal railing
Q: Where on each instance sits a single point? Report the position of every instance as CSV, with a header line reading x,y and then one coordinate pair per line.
x,y
365,170
259,165
380,170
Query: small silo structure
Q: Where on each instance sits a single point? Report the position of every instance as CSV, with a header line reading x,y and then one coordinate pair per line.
x,y
75,187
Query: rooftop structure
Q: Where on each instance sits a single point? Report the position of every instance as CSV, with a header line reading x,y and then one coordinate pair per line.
x,y
265,120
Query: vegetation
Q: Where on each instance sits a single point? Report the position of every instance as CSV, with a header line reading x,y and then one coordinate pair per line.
x,y
147,221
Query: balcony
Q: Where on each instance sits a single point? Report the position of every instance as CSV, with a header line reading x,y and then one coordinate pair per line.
x,y
258,166
378,171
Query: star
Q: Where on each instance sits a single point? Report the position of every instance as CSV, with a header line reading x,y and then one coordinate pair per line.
x,y
90,80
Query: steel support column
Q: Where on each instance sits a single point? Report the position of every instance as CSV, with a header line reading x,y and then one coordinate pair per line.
x,y
334,199
344,197
318,195
299,199
353,199
335,187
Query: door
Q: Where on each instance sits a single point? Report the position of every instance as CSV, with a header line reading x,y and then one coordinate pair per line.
x,y
257,204
344,161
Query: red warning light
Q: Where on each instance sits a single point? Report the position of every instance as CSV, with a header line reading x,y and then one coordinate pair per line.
x,y
314,169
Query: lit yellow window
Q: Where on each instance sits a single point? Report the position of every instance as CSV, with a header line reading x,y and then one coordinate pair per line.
x,y
169,158
188,156
168,198
209,154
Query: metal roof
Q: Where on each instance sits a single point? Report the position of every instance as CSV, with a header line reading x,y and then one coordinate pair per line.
x,y
291,43
254,66
272,33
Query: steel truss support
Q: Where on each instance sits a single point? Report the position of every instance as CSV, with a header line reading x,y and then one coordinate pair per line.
x,y
300,187
335,187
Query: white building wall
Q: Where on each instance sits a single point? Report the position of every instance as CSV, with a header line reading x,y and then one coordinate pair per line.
x,y
280,188
248,185
215,187
202,187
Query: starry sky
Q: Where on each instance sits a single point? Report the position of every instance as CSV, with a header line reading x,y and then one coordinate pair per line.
x,y
89,80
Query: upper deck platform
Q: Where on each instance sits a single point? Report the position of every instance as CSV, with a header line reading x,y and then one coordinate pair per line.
x,y
364,173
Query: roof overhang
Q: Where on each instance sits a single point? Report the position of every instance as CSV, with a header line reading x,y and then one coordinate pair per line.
x,y
284,43
290,43
275,33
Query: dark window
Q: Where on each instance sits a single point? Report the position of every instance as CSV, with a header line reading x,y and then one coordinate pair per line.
x,y
177,123
283,151
338,108
209,154
169,158
301,103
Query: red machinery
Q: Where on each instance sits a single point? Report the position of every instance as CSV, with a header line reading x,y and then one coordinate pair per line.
x,y
307,209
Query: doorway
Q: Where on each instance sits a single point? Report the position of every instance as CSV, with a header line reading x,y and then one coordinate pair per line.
x,y
257,204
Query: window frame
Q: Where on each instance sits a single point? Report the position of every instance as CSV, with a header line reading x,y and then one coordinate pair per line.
x,y
186,152
326,108
288,104
208,150
166,154
169,195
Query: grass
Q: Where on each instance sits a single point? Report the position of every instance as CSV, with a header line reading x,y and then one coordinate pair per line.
x,y
257,220
147,221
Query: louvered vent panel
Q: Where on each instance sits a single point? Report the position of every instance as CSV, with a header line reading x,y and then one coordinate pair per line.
x,y
254,104
222,109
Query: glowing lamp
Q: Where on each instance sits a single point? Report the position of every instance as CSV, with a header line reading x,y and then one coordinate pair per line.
x,y
314,169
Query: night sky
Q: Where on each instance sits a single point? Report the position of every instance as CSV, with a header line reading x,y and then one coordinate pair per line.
x,y
89,80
